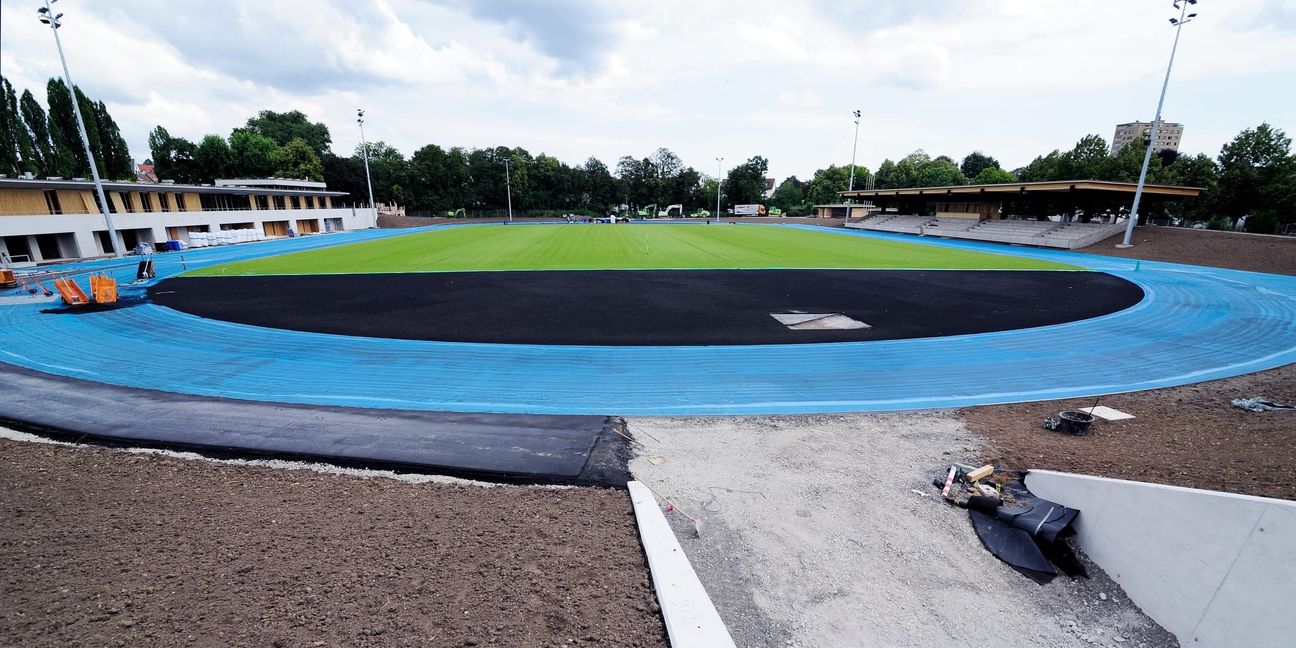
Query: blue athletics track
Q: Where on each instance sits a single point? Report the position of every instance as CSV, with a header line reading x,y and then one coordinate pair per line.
x,y
1194,324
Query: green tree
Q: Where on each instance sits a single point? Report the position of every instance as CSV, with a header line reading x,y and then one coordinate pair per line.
x,y
252,155
112,153
824,187
1256,176
601,192
638,180
93,135
707,193
69,156
10,126
940,172
430,182
388,168
891,176
976,162
1197,171
1044,168
746,182
173,157
790,195
296,159
993,175
37,122
213,159
288,126
345,174
1088,160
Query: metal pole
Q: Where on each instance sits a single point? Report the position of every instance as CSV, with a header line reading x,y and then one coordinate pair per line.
x,y
85,139
854,148
508,189
719,185
364,148
1156,127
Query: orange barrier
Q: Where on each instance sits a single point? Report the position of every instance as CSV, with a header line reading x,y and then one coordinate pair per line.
x,y
70,292
103,289
7,278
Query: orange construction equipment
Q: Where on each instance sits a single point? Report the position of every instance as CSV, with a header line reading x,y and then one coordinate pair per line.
x,y
71,292
103,289
7,278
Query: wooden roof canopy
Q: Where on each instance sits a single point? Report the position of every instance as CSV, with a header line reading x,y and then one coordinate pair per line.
x,y
1017,189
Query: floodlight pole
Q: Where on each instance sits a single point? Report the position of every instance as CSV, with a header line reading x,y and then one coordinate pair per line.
x,y
508,189
1156,122
719,184
854,148
364,148
46,15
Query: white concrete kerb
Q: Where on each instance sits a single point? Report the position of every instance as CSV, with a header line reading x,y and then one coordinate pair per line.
x,y
691,617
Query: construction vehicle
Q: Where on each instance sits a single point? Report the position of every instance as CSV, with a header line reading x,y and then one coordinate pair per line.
x,y
775,211
649,211
672,210
701,213
457,213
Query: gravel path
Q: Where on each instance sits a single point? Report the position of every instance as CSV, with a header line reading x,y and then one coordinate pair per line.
x,y
1276,254
102,547
811,536
1186,436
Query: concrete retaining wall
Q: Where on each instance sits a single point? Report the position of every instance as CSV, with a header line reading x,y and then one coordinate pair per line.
x,y
1216,569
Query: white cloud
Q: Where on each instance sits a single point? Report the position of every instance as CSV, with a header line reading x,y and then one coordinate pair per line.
x,y
762,77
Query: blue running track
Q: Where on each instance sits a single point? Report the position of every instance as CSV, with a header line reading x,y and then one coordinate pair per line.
x,y
1195,324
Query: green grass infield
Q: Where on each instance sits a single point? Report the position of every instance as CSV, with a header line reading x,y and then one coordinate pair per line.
x,y
624,247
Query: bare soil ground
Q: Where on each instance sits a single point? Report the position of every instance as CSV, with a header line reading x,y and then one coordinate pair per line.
x,y
101,547
1185,436
1275,254
389,221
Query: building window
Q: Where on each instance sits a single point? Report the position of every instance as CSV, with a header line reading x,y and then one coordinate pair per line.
x,y
52,202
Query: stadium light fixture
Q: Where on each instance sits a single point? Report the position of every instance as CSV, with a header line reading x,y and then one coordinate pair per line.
x,y
47,16
854,147
719,185
508,189
364,148
1178,23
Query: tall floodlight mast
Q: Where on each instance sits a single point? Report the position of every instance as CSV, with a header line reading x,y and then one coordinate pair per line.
x,y
46,15
1178,23
854,148
364,148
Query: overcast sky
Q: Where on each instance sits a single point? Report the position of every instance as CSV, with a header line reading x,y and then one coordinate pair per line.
x,y
575,78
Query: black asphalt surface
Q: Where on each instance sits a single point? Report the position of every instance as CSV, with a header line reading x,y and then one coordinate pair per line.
x,y
659,307
585,450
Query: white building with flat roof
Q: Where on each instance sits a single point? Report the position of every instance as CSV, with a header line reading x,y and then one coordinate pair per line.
x,y
52,219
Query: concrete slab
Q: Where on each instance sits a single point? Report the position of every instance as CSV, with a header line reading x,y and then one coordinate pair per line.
x,y
1196,561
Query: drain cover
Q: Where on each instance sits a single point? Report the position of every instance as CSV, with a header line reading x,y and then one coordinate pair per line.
x,y
818,321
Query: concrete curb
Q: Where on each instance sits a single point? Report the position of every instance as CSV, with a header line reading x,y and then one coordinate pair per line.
x,y
691,618
1216,569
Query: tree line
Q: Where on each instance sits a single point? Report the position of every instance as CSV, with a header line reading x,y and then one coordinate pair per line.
x,y
48,144
1254,175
